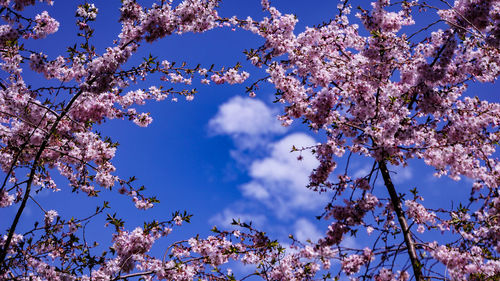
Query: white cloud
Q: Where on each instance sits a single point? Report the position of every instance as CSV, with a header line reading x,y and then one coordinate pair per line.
x,y
401,174
279,181
255,190
246,120
349,242
362,172
224,218
305,230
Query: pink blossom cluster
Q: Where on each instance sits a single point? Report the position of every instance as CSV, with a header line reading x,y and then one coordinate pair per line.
x,y
387,275
7,33
463,265
419,214
45,25
6,199
352,264
196,257
162,20
21,4
88,11
50,216
394,127
231,77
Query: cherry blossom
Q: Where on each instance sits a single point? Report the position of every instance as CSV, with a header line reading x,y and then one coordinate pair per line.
x,y
381,94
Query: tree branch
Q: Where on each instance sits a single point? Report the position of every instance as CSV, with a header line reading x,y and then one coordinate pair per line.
x,y
4,250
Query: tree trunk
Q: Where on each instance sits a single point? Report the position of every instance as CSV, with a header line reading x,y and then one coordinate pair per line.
x,y
396,203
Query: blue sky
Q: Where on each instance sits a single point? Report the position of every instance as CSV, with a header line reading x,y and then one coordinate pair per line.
x,y
197,156
223,155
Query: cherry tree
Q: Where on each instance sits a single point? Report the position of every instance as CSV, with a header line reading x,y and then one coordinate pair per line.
x,y
393,92
391,97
